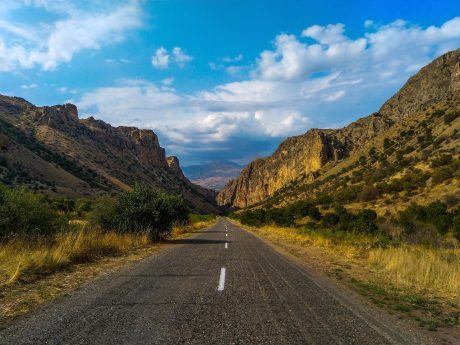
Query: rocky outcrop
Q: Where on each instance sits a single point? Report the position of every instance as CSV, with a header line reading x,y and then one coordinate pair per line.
x,y
299,156
438,80
174,167
302,157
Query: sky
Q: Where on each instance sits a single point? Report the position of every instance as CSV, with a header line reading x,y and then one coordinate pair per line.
x,y
220,79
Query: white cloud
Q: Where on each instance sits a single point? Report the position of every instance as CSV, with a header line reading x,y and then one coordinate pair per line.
x,y
160,59
330,34
323,78
229,59
368,23
167,81
180,57
335,96
28,86
57,42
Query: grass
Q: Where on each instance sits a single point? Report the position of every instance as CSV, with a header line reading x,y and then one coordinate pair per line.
x,y
420,268
24,260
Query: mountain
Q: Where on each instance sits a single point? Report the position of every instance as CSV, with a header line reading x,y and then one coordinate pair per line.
x,y
213,174
50,149
411,132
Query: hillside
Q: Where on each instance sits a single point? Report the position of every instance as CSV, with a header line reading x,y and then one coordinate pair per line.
x,y
214,174
50,149
407,151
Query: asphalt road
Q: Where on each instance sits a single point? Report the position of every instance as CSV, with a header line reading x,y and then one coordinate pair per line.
x,y
221,286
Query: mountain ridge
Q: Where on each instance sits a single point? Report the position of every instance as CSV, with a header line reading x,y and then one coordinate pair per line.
x,y
54,151
308,156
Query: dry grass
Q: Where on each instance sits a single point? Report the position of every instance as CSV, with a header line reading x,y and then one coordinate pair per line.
x,y
421,268
180,230
26,259
23,259
436,271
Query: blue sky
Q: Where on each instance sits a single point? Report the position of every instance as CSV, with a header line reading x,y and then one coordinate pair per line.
x,y
226,79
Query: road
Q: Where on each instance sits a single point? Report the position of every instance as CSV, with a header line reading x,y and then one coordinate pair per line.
x,y
221,286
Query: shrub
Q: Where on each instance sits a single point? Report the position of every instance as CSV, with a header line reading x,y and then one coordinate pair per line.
x,y
330,219
141,210
314,213
365,221
323,199
25,213
438,113
456,224
83,206
441,174
369,193
442,160
448,118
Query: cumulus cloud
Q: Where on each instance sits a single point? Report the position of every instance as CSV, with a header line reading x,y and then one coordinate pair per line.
x,y
320,78
50,45
162,58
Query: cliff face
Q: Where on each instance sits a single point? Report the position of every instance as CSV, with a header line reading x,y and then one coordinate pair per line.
x,y
297,156
75,156
308,155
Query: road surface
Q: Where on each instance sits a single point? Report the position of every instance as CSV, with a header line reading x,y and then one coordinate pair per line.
x,y
221,286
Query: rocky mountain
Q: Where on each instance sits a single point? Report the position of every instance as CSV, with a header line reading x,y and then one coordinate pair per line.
x,y
50,149
418,123
213,174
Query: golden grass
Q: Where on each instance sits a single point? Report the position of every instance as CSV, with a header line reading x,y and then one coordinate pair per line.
x,y
180,230
25,259
436,271
433,269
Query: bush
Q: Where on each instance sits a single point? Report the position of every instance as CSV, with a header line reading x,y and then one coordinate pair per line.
x,y
441,174
448,118
365,221
25,213
330,219
456,224
434,213
141,210
369,193
442,160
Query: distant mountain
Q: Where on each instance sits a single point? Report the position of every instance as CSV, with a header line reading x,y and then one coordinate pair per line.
x,y
406,152
214,174
49,149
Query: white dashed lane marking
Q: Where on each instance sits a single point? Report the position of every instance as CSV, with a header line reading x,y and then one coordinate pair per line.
x,y
221,280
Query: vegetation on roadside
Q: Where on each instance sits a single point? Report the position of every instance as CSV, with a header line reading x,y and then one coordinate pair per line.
x,y
416,252
420,282
39,236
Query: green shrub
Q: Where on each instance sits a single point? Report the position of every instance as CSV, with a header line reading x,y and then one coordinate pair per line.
x,y
369,193
83,206
449,117
456,225
442,160
141,210
25,213
441,174
330,219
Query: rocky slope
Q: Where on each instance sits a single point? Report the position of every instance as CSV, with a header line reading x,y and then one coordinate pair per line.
x,y
305,159
52,150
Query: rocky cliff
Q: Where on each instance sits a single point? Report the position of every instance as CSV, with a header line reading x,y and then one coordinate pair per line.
x,y
307,156
51,149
